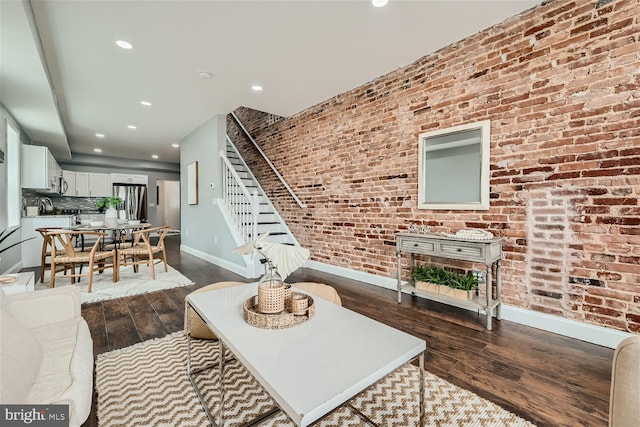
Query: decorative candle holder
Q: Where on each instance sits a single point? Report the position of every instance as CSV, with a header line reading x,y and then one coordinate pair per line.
x,y
299,304
270,300
271,293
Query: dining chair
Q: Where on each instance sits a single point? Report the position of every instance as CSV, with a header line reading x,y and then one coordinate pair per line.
x,y
46,250
73,257
142,252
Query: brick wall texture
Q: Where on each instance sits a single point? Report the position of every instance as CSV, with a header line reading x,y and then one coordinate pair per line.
x,y
561,86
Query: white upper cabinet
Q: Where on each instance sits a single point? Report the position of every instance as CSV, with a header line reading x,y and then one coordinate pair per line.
x,y
40,171
124,178
82,184
86,184
100,185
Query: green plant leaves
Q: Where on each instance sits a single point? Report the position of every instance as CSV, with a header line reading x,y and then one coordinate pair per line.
x,y
4,235
109,202
440,276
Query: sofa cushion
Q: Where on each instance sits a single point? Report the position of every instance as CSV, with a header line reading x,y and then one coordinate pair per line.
x,y
66,376
319,290
20,358
199,329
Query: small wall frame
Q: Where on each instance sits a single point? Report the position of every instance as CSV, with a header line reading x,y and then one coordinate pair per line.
x,y
453,167
192,183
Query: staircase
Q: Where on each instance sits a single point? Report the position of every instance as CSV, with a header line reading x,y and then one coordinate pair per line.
x,y
267,219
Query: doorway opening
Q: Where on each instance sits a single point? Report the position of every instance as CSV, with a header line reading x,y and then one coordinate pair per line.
x,y
168,197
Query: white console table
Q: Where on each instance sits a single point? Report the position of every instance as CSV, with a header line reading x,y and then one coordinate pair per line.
x,y
487,252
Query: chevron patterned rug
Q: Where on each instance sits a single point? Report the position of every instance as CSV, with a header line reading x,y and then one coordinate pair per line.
x,y
147,385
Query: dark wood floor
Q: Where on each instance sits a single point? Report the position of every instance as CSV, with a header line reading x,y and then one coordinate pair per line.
x,y
545,378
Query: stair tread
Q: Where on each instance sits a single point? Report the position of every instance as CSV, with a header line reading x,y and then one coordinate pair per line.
x,y
275,233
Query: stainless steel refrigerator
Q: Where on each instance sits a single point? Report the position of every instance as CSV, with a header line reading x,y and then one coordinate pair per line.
x,y
135,200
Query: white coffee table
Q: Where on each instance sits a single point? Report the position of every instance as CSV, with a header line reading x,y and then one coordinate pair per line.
x,y
341,353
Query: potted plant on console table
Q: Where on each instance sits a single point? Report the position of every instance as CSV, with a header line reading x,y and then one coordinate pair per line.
x,y
443,282
111,214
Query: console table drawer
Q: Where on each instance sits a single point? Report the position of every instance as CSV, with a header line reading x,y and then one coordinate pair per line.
x,y
427,247
461,251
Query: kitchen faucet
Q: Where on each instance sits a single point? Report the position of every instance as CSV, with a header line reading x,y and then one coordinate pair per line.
x,y
43,202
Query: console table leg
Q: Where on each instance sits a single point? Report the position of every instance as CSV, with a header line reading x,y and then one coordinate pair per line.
x,y
498,289
489,295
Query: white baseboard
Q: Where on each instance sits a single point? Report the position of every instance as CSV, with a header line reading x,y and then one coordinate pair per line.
x,y
238,269
383,282
594,334
15,268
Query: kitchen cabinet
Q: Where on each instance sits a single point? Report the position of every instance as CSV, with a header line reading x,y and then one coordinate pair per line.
x,y
40,170
87,184
123,178
99,185
82,184
32,249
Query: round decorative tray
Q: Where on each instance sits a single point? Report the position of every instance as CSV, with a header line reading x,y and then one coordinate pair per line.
x,y
282,320
5,280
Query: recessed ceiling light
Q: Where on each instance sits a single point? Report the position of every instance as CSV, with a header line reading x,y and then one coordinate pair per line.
x,y
145,103
98,150
205,75
99,135
155,156
123,44
132,127
256,88
379,3
175,145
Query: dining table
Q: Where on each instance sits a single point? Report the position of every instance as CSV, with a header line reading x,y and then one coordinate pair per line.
x,y
117,231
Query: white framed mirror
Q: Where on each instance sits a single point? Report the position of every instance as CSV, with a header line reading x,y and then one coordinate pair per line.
x,y
453,167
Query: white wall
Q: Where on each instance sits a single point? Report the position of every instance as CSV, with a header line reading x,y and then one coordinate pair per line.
x,y
204,231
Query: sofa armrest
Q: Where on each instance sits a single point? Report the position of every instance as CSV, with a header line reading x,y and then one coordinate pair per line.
x,y
38,308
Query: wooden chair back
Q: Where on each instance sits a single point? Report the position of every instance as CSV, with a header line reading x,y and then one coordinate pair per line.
x,y
143,237
66,239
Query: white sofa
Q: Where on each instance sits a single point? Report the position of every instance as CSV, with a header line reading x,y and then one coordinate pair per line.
x,y
46,351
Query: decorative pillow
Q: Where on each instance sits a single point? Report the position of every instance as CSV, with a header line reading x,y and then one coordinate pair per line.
x,y
20,358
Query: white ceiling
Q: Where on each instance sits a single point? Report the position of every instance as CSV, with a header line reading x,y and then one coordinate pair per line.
x,y
301,52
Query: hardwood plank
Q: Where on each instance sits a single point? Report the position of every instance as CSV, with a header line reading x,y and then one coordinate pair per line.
x,y
543,409
567,395
121,330
169,310
146,320
94,316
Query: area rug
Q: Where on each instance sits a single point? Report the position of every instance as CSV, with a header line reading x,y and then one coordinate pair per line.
x,y
147,385
130,283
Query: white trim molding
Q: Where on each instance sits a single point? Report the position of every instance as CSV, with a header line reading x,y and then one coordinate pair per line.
x,y
594,334
238,269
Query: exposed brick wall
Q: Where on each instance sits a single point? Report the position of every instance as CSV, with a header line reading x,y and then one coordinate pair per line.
x,y
561,86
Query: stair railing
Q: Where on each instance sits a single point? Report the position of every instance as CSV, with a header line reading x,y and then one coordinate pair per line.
x,y
243,206
264,156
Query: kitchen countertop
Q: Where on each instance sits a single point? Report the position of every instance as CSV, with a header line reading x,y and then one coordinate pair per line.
x,y
49,216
